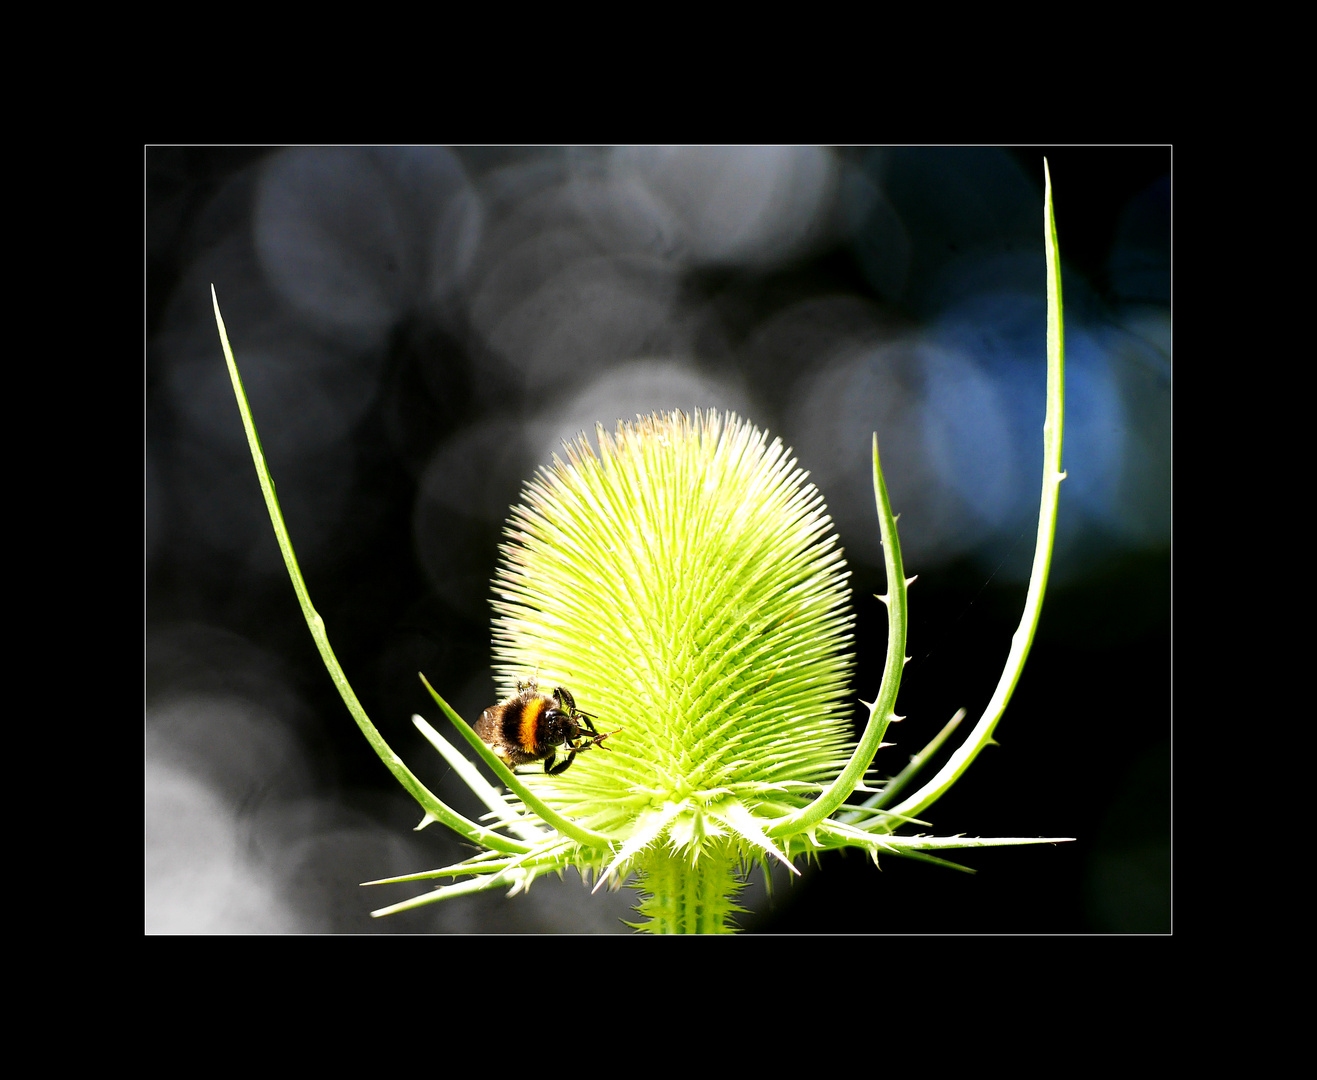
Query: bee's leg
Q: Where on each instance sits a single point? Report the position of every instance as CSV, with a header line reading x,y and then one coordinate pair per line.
x,y
598,740
558,768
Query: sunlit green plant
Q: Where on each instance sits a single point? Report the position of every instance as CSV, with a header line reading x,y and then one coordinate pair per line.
x,y
685,584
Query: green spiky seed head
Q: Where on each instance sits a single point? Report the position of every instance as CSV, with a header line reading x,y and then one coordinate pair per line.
x,y
685,585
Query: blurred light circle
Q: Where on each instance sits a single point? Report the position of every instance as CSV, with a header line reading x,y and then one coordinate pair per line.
x,y
192,866
590,314
882,388
754,206
1004,334
443,213
331,239
620,213
354,238
968,438
239,745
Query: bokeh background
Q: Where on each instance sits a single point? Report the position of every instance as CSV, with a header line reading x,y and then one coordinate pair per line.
x,y
420,328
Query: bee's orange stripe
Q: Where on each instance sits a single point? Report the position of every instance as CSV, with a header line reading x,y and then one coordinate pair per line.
x,y
526,729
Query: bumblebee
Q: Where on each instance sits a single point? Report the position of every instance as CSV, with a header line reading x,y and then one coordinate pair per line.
x,y
530,726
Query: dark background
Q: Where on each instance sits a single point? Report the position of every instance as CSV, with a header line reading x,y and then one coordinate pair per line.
x,y
419,328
